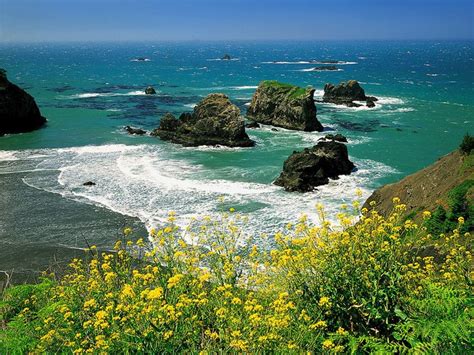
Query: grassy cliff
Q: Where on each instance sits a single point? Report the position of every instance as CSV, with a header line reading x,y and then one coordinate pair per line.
x,y
445,188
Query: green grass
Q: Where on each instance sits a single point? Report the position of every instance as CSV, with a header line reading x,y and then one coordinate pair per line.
x,y
467,164
294,92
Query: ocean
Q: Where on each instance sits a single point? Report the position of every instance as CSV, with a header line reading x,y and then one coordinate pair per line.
x,y
90,91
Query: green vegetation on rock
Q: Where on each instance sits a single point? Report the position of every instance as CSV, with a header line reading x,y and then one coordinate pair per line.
x,y
459,206
294,92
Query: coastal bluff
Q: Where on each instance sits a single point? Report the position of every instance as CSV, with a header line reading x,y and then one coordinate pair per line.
x,y
214,121
18,110
284,105
447,184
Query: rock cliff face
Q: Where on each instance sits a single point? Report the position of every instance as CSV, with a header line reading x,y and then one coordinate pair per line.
x,y
305,170
214,121
284,105
430,188
345,93
18,110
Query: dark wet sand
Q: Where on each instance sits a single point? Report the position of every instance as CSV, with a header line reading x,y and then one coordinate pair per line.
x,y
39,229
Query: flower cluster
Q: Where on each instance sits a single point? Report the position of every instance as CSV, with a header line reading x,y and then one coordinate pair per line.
x,y
210,287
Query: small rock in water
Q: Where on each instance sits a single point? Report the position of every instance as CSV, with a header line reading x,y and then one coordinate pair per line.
x,y
226,57
345,93
89,183
326,68
150,90
334,137
136,131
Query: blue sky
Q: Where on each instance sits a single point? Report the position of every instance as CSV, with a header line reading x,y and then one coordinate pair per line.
x,y
103,20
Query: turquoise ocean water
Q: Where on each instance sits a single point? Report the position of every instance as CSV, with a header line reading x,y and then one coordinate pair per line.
x,y
89,92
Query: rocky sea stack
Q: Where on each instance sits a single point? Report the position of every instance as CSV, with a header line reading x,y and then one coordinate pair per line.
x,y
214,121
345,93
150,90
285,106
305,170
18,110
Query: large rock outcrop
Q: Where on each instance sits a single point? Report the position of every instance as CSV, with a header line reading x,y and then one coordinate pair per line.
x,y
18,110
284,105
305,170
345,93
214,121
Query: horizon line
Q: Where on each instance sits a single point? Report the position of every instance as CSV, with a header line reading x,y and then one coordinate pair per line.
x,y
234,40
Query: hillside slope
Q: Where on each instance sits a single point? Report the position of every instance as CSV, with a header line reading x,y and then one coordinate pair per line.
x,y
431,187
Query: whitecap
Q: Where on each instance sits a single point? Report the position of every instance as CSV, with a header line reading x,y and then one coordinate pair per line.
x,y
369,83
140,60
389,100
286,62
222,60
243,87
318,70
88,95
6,155
404,109
323,62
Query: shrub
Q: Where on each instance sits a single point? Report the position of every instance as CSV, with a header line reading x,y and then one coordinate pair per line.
x,y
443,221
467,144
360,286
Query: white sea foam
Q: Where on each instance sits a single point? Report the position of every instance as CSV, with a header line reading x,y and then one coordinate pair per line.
x,y
88,95
6,155
193,105
385,100
287,62
384,104
140,60
148,181
243,87
318,70
222,60
339,62
318,93
404,109
368,83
